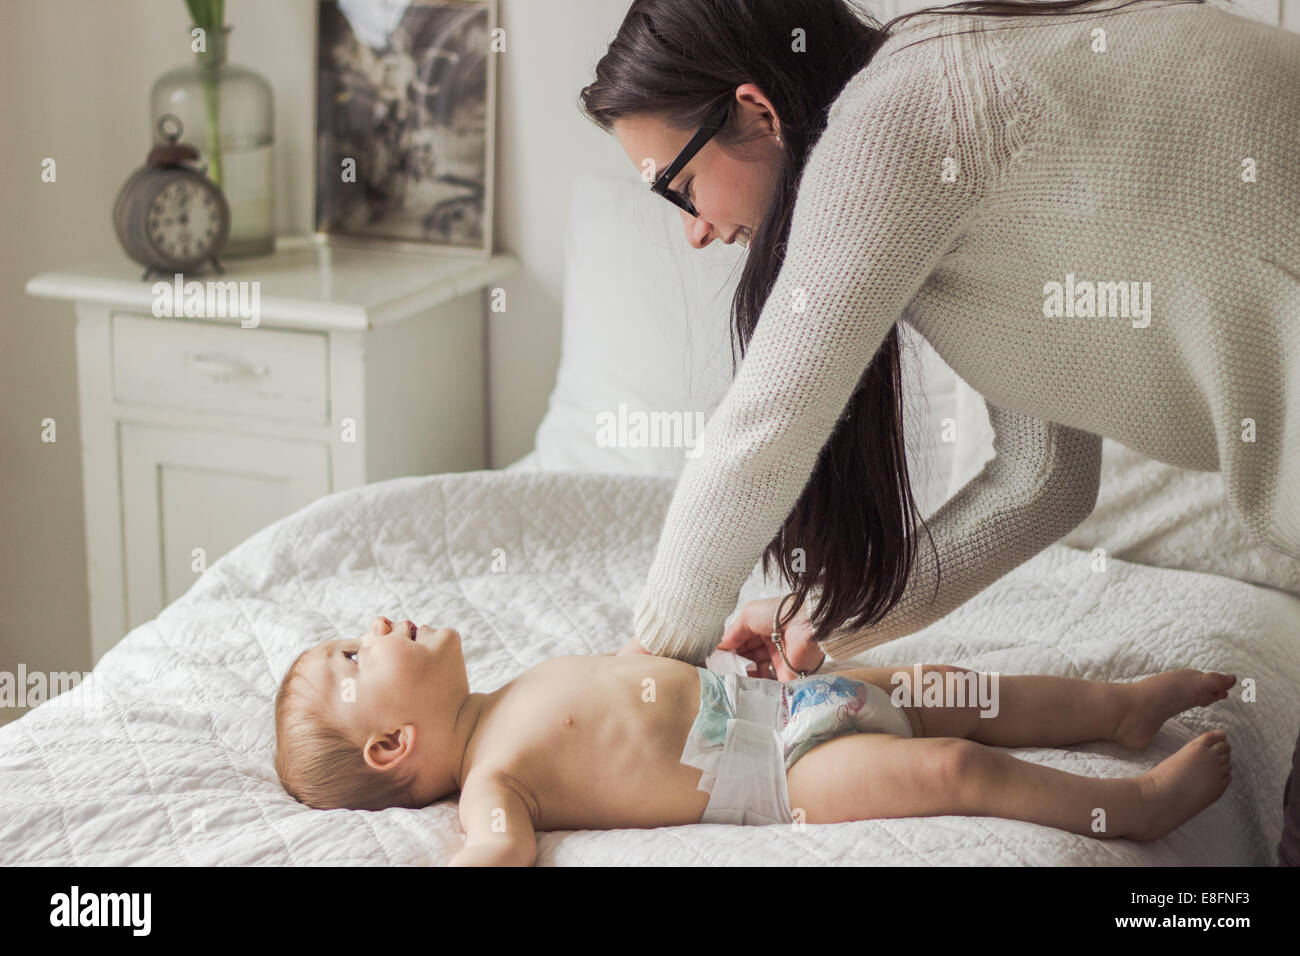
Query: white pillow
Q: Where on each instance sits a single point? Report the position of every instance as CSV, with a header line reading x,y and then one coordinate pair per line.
x,y
930,415
974,436
647,326
1147,512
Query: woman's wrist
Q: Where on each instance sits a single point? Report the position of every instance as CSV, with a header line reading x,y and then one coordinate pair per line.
x,y
779,639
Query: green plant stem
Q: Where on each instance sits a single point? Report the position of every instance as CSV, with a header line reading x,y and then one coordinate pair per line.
x,y
212,105
210,16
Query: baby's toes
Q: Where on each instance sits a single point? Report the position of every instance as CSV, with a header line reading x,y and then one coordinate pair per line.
x,y
1214,686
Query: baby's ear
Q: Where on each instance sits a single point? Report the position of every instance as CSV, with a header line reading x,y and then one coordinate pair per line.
x,y
390,750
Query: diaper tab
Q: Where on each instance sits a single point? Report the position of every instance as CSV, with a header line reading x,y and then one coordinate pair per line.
x,y
728,662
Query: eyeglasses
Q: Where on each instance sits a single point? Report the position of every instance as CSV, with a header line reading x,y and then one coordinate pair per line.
x,y
702,136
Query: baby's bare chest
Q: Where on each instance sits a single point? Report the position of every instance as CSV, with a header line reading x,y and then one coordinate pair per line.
x,y
599,753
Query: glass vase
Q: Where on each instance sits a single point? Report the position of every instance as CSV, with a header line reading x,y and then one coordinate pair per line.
x,y
227,114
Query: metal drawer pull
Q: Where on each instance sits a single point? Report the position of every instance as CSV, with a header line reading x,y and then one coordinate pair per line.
x,y
222,369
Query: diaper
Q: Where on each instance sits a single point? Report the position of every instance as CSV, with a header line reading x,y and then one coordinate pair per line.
x,y
750,731
822,708
735,742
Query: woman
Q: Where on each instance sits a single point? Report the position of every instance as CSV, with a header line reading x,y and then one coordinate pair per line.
x,y
1088,208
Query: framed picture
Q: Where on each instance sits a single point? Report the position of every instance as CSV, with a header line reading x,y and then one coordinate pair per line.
x,y
405,113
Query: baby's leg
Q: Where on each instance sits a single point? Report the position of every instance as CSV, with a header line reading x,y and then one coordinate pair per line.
x,y
873,776
1043,711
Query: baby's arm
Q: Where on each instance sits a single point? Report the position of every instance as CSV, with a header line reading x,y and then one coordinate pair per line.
x,y
498,827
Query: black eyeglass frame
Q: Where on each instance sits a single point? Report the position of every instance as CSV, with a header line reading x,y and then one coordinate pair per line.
x,y
705,133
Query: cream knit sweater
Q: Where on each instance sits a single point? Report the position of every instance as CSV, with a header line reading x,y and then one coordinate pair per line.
x,y
1095,220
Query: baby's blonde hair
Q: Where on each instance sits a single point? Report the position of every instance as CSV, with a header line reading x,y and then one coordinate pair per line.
x,y
319,764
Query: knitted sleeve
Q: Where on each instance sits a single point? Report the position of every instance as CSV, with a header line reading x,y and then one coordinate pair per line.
x,y
1040,483
885,194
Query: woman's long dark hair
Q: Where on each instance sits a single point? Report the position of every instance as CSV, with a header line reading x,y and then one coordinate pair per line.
x,y
679,60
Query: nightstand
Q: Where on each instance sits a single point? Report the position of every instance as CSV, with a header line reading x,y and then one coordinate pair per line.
x,y
357,364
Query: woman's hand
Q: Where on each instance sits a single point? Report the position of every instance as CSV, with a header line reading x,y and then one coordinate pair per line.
x,y
750,635
631,647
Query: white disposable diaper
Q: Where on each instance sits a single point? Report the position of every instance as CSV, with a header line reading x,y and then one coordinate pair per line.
x,y
735,742
750,731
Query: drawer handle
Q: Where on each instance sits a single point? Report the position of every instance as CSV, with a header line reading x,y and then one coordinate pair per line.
x,y
222,369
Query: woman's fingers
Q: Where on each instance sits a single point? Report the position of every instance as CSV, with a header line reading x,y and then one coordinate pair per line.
x,y
750,626
782,669
766,656
760,659
747,645
756,650
750,635
738,634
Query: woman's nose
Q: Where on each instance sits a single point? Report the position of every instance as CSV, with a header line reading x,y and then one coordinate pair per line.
x,y
699,231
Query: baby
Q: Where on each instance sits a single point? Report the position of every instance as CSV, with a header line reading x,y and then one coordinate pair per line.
x,y
604,742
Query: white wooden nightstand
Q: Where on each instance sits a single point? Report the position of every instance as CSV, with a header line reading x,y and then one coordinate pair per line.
x,y
364,364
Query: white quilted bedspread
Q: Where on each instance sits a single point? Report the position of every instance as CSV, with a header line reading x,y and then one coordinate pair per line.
x,y
175,768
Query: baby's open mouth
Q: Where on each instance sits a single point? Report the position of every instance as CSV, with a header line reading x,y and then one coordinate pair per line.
x,y
411,629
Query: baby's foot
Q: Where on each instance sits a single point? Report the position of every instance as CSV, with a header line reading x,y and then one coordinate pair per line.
x,y
1155,699
1184,784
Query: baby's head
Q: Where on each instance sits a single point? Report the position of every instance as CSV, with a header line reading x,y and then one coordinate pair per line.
x,y
370,723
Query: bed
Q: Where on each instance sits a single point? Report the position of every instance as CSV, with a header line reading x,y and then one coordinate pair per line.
x,y
166,758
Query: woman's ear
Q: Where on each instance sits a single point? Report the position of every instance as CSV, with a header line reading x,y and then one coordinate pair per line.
x,y
758,109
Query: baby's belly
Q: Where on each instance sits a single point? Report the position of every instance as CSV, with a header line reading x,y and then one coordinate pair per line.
x,y
654,790
614,759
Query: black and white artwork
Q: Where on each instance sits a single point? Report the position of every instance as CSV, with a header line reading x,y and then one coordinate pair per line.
x,y
403,120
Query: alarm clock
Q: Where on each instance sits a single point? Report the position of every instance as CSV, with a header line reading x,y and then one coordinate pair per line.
x,y
169,216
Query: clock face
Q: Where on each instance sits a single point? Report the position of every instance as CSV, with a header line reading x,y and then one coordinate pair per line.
x,y
184,221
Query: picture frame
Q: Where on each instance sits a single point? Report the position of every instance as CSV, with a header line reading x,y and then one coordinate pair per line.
x,y
405,124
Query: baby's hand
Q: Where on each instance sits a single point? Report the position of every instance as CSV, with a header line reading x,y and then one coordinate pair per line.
x,y
483,855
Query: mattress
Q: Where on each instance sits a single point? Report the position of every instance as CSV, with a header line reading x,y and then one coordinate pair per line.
x,y
169,760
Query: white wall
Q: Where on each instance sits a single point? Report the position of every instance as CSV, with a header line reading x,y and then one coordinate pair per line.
x,y
74,82
541,139
75,76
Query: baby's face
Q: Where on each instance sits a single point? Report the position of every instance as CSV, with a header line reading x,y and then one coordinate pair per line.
x,y
397,686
